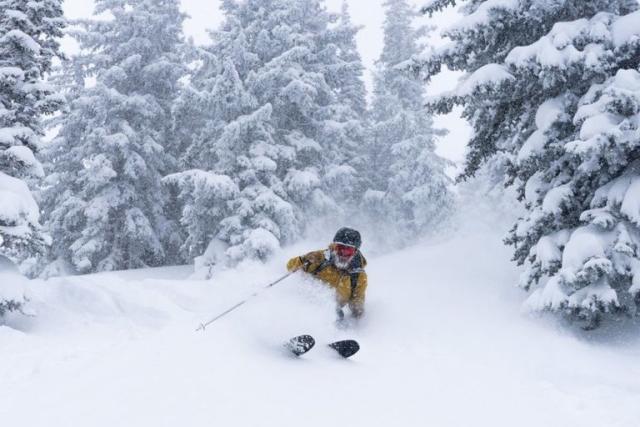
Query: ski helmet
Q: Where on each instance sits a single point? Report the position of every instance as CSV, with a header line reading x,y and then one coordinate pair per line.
x,y
348,236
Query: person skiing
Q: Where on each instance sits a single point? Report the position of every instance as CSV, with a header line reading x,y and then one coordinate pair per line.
x,y
341,266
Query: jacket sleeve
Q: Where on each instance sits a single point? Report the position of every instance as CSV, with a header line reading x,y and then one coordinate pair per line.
x,y
356,304
311,259
295,263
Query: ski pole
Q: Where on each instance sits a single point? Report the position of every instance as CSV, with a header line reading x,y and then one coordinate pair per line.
x,y
203,326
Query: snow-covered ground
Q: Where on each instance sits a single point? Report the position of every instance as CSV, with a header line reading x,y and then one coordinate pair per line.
x,y
444,343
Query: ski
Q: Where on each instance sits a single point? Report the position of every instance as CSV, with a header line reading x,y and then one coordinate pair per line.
x,y
345,348
300,345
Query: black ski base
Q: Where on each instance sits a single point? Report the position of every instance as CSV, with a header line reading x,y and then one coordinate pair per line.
x,y
345,348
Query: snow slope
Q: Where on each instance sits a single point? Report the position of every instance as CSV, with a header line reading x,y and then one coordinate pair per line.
x,y
444,344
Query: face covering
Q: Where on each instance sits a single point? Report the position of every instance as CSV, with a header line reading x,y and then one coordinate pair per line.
x,y
342,255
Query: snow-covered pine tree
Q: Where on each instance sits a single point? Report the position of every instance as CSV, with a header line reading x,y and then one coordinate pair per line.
x,y
298,51
551,86
29,34
350,83
234,140
409,185
343,178
104,197
205,201
270,85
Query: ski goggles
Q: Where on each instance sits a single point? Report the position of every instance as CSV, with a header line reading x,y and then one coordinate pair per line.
x,y
345,251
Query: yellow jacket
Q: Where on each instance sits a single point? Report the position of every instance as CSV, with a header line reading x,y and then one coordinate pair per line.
x,y
317,264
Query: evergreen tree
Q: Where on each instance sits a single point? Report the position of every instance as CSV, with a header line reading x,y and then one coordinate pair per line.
x,y
409,186
276,121
205,200
349,78
343,177
104,199
29,34
235,140
535,93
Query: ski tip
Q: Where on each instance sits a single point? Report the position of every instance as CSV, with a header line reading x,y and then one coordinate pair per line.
x,y
300,345
345,348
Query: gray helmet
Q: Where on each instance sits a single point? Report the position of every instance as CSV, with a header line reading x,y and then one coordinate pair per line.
x,y
348,236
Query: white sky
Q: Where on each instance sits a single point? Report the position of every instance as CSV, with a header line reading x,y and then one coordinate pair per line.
x,y
205,14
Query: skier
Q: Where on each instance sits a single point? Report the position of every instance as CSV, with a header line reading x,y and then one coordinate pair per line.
x,y
341,266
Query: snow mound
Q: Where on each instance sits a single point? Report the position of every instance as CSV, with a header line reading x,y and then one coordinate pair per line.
x,y
442,327
17,203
